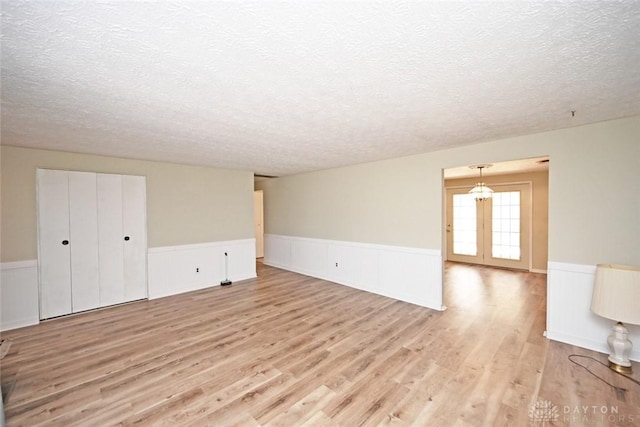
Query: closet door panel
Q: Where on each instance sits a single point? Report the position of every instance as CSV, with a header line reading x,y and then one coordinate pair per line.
x,y
54,243
135,237
83,217
110,238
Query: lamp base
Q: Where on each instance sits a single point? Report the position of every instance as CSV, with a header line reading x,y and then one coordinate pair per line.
x,y
619,368
620,349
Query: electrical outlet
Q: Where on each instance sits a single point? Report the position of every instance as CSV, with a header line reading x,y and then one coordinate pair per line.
x,y
197,269
336,264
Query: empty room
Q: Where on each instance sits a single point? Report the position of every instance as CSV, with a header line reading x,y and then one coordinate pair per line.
x,y
325,213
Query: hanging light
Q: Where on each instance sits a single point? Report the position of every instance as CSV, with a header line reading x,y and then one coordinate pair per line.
x,y
481,191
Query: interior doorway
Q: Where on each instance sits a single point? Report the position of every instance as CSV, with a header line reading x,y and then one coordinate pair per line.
x,y
509,230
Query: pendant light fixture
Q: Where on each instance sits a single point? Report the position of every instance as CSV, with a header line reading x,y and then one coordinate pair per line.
x,y
481,191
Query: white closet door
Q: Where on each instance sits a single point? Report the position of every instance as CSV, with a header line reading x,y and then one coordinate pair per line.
x,y
135,236
54,243
111,239
83,217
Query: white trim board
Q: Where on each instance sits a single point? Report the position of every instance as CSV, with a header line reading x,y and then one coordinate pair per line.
x,y
408,274
19,294
205,245
171,270
19,264
177,269
569,316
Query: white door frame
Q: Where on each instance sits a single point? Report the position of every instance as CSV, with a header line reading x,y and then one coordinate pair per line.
x,y
258,221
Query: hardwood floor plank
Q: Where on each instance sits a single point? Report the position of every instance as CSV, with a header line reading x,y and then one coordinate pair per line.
x,y
581,397
421,396
227,414
285,349
220,393
304,409
319,419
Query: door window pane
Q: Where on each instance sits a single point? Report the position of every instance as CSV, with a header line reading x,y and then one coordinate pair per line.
x,y
464,225
506,225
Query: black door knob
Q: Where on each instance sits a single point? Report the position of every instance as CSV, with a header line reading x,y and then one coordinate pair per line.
x,y
126,238
65,242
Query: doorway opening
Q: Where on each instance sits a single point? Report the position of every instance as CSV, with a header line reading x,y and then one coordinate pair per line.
x,y
508,230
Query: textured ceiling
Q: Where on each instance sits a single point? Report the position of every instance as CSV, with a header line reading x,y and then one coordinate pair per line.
x,y
287,87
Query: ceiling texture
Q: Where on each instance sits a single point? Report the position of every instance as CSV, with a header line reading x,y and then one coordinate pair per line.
x,y
289,87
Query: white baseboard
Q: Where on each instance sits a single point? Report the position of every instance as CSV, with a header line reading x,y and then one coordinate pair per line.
x,y
19,294
407,274
171,270
177,269
599,346
569,316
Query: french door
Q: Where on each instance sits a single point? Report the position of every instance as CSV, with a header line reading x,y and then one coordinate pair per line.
x,y
493,232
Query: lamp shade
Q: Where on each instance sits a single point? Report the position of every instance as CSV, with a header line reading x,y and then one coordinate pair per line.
x,y
616,293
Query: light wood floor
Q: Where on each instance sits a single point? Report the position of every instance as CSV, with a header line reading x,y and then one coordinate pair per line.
x,y
286,349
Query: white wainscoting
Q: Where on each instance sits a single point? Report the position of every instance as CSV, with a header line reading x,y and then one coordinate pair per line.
x,y
408,274
569,316
172,269
19,294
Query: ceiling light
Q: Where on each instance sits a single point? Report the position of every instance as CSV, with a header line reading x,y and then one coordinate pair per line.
x,y
481,191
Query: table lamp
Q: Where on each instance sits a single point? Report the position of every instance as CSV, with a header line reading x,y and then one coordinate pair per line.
x,y
616,296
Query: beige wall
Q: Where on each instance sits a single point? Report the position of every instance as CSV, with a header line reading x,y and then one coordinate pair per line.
x,y
594,208
185,204
539,209
369,203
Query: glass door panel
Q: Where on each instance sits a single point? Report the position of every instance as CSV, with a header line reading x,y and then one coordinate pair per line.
x,y
464,237
505,230
492,232
465,225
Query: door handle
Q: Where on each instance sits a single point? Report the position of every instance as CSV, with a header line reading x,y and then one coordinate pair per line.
x,y
65,242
